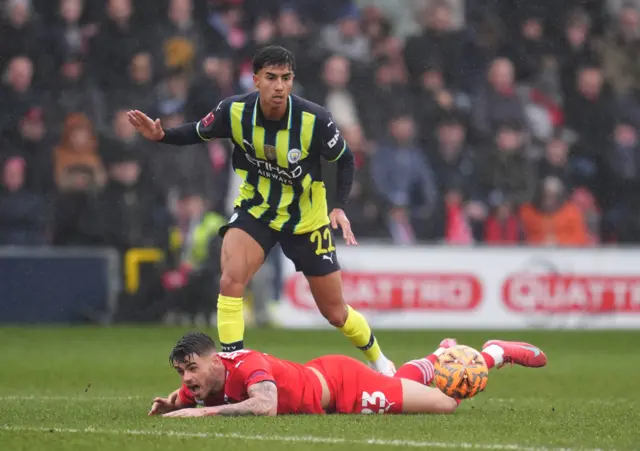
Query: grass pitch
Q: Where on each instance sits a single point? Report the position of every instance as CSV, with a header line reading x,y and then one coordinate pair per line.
x,y
90,388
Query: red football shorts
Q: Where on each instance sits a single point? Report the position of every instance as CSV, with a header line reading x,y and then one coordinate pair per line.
x,y
356,388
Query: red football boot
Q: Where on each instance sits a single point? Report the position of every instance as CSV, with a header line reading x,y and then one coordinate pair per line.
x,y
520,353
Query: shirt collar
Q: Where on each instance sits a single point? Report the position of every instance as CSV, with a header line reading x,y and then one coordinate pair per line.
x,y
282,124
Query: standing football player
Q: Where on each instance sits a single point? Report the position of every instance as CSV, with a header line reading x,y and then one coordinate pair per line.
x,y
279,140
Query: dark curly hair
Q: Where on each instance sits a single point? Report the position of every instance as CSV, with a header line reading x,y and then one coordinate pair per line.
x,y
273,55
191,343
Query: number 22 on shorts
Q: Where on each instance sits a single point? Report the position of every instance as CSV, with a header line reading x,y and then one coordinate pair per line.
x,y
322,238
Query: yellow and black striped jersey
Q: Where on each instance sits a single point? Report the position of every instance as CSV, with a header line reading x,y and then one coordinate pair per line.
x,y
279,161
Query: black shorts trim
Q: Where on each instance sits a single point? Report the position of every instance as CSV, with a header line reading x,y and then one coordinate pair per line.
x,y
260,232
312,253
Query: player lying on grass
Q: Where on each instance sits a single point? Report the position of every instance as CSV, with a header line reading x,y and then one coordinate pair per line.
x,y
252,383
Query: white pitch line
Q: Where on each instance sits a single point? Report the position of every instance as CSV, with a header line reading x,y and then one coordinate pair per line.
x,y
89,397
73,398
290,438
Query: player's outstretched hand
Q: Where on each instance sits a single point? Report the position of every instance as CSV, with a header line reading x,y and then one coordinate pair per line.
x,y
163,405
145,125
339,218
187,413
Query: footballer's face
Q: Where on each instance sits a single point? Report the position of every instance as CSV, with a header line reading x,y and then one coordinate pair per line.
x,y
274,84
202,374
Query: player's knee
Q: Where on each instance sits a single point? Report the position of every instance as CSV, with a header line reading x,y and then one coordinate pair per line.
x,y
336,316
232,284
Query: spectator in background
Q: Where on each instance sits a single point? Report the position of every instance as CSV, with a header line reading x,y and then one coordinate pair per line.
x,y
502,227
497,101
264,33
556,161
590,115
376,27
126,208
75,92
173,92
438,41
123,138
391,48
334,93
619,54
115,44
294,35
432,101
322,13
389,87
33,143
75,218
454,165
385,46
585,201
457,228
505,175
574,49
346,38
77,150
528,49
478,53
543,105
622,181
553,220
217,82
22,213
225,33
21,33
68,35
453,158
181,38
16,92
140,89
405,181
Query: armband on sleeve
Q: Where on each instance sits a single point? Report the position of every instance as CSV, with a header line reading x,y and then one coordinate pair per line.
x,y
216,123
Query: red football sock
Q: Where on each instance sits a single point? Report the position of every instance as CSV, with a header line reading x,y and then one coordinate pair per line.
x,y
420,370
487,358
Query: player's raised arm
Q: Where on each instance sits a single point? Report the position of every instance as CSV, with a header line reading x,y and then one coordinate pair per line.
x,y
335,149
213,125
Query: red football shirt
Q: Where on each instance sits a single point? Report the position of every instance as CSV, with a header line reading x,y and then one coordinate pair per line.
x,y
299,390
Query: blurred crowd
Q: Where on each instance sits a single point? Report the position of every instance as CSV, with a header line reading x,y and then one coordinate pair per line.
x,y
496,121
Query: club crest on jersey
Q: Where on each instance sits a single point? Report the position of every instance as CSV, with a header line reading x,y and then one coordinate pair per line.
x,y
294,155
208,119
270,152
